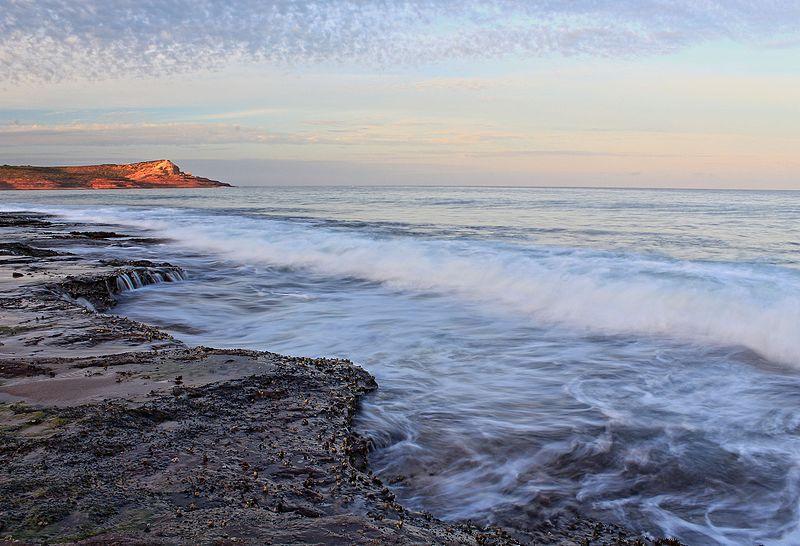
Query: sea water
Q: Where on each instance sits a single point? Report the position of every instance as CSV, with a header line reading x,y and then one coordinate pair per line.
x,y
631,355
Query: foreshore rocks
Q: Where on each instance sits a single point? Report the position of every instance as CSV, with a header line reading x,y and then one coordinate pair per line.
x,y
97,291
113,432
267,458
19,249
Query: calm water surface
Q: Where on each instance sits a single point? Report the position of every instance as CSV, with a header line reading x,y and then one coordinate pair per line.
x,y
630,354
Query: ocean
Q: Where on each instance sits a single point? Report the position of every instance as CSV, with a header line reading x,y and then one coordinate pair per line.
x,y
633,355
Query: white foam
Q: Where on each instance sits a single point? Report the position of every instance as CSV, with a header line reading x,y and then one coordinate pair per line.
x,y
751,306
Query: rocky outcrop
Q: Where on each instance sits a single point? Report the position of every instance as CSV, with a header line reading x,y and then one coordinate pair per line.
x,y
162,173
97,291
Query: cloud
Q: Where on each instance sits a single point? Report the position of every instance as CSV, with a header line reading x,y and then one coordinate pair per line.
x,y
125,134
331,133
99,39
460,84
575,153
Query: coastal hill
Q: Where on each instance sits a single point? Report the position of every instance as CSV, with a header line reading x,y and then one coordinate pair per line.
x,y
162,173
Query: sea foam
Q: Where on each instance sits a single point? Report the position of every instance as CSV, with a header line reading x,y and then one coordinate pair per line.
x,y
609,293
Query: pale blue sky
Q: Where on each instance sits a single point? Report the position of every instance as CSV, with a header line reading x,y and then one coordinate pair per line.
x,y
645,93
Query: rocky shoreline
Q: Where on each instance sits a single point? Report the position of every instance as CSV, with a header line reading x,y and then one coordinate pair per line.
x,y
112,431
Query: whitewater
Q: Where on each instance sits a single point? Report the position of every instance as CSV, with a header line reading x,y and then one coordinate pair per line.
x,y
633,355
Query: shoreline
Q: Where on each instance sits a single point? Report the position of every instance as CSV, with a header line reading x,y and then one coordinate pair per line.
x,y
114,431
161,173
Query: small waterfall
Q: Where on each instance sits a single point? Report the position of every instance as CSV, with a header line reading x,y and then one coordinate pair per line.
x,y
140,277
123,283
137,281
97,293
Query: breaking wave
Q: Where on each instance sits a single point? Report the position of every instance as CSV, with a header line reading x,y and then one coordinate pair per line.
x,y
726,304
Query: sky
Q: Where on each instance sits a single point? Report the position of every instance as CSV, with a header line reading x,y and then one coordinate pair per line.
x,y
623,93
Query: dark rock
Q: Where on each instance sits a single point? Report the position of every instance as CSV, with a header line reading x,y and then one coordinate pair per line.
x,y
19,249
96,235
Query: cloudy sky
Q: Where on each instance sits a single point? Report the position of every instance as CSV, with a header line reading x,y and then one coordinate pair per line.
x,y
646,93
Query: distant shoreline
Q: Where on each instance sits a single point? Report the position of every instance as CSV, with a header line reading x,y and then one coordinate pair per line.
x,y
161,173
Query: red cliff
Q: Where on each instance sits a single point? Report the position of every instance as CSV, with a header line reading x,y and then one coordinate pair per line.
x,y
148,174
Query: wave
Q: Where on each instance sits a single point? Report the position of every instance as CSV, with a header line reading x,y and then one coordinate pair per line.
x,y
729,304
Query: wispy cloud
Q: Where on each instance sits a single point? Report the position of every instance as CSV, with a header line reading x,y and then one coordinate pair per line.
x,y
124,134
461,84
388,134
95,39
239,114
574,153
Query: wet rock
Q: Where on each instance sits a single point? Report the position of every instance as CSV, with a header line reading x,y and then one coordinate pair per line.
x,y
135,263
99,290
95,465
12,368
96,235
24,219
20,249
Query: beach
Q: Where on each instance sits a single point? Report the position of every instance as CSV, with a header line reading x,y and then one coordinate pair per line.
x,y
542,356
116,432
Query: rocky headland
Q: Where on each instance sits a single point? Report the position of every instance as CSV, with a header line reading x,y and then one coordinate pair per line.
x,y
148,174
114,432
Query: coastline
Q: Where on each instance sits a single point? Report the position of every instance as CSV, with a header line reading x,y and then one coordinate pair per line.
x,y
161,173
113,431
